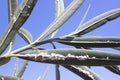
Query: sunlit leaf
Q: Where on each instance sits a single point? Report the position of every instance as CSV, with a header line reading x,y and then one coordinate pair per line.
x,y
83,71
97,22
59,8
67,13
19,18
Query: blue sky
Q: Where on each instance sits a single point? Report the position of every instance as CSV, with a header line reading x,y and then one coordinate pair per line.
x,y
40,19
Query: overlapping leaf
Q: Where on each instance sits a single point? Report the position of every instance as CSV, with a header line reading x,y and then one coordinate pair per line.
x,y
19,18
97,22
67,13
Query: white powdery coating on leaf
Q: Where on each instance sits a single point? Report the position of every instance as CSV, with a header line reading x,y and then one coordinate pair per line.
x,y
78,57
53,56
85,72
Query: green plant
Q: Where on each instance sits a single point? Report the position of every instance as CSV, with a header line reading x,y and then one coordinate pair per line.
x,y
77,59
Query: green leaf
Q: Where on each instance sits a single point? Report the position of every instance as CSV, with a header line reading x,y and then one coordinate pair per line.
x,y
67,13
19,18
97,22
4,77
83,72
22,69
59,8
90,41
12,6
114,69
26,35
72,57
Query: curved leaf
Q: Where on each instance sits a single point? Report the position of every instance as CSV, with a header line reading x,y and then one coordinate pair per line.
x,y
19,18
83,72
72,56
26,35
67,13
97,22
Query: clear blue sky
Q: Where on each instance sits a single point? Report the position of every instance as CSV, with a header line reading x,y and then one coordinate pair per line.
x,y
42,16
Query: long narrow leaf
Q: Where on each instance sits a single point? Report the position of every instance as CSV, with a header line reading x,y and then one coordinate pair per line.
x,y
97,22
91,41
67,13
59,8
12,6
72,56
84,17
19,18
26,35
22,69
83,72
